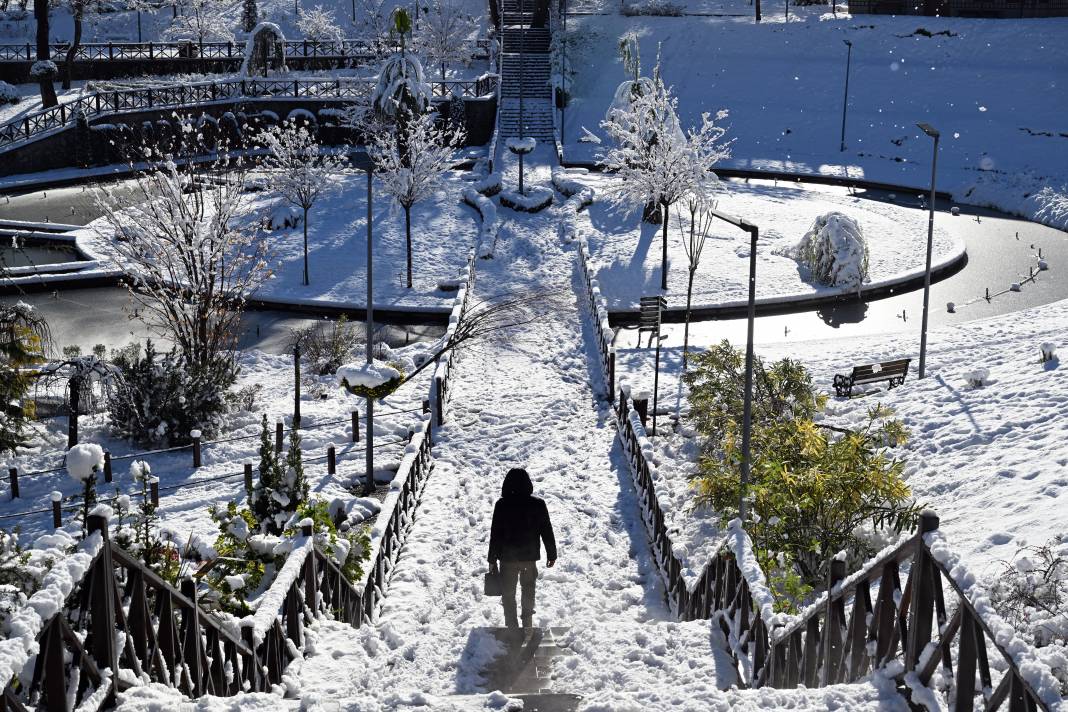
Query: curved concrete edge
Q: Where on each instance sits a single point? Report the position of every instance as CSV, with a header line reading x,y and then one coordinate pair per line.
x,y
945,266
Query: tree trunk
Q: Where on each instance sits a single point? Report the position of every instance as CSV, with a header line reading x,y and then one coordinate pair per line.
x,y
40,14
306,280
68,65
442,71
408,240
664,241
686,328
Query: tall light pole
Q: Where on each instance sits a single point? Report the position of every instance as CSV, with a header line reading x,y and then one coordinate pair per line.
x,y
845,100
747,402
933,133
363,162
563,69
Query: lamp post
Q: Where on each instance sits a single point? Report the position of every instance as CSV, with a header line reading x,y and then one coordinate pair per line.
x,y
747,403
845,100
522,62
933,133
362,161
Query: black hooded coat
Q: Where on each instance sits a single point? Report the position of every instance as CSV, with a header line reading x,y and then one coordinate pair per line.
x,y
519,521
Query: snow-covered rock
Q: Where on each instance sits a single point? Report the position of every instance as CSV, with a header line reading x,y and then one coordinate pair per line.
x,y
367,375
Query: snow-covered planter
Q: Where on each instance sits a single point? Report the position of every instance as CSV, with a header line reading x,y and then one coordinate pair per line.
x,y
977,378
369,380
488,185
521,146
535,199
835,250
9,94
43,69
1049,351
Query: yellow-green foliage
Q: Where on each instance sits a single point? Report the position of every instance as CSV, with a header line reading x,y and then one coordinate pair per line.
x,y
811,487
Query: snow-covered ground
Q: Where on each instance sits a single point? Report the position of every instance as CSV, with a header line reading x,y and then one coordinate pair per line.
x,y
994,88
187,493
627,252
444,230
991,460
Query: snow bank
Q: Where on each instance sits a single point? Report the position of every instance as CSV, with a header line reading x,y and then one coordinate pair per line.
x,y
487,233
835,249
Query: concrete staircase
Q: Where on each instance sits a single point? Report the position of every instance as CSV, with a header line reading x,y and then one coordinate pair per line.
x,y
524,73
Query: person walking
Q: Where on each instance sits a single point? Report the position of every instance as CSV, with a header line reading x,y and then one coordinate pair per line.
x,y
520,524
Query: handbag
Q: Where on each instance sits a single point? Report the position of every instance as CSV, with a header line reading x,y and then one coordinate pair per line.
x,y
492,584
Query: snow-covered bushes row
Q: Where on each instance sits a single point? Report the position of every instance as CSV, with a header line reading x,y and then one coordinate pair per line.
x,y
835,250
535,199
487,231
656,8
9,94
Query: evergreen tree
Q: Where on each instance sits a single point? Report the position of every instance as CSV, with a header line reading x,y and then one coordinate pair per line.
x,y
23,334
249,16
265,502
296,485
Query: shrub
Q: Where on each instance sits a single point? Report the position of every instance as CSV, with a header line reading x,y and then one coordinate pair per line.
x,y
812,489
9,94
657,8
163,398
326,346
24,338
835,250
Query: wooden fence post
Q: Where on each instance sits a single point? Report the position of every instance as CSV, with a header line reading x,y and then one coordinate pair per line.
x,y
426,406
331,460
13,478
832,628
196,448
191,645
72,415
641,405
921,610
248,479
252,668
107,466
611,376
278,428
102,606
355,426
296,386
153,490
57,509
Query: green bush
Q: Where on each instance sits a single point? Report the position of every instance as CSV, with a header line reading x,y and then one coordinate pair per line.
x,y
813,490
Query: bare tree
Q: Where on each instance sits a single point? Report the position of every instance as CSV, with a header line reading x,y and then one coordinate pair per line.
x,y
203,21
693,242
318,25
78,8
300,172
655,160
191,254
411,157
446,34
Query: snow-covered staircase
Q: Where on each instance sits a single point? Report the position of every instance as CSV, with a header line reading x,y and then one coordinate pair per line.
x,y
526,96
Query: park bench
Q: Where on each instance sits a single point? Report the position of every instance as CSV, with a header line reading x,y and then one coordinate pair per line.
x,y
893,372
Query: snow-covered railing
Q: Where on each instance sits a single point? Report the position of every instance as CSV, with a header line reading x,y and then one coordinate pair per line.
x,y
195,94
487,210
131,627
139,51
598,309
439,391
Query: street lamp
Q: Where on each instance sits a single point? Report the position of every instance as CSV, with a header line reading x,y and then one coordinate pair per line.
x,y
747,403
361,161
933,133
845,101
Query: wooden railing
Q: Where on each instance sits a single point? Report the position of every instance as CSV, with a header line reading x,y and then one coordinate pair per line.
x,y
605,336
439,391
137,51
177,96
910,633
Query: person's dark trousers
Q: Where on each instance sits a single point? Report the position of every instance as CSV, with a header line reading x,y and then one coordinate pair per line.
x,y
525,573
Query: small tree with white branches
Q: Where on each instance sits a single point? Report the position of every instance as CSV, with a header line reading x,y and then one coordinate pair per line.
x,y
656,161
191,257
1054,206
446,34
299,172
319,25
411,157
202,21
693,243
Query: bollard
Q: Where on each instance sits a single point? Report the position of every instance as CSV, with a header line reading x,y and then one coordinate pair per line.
x,y
306,529
195,434
278,427
13,476
331,460
107,466
57,509
355,426
72,416
411,434
426,406
153,488
248,478
641,405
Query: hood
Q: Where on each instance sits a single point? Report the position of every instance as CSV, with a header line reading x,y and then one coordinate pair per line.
x,y
517,484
